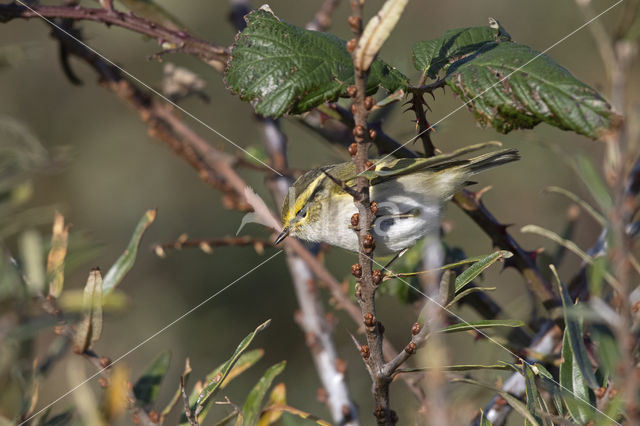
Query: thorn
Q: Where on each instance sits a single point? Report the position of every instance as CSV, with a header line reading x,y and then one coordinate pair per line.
x,y
349,190
355,341
482,191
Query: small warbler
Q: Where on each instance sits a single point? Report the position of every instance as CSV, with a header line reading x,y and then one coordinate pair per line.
x,y
409,193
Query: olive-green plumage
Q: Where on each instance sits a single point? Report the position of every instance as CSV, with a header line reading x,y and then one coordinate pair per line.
x,y
410,193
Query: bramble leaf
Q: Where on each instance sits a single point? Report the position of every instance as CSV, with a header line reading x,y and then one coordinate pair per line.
x,y
282,68
511,86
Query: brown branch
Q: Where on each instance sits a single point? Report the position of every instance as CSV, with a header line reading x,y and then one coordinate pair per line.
x,y
178,40
322,19
374,356
207,244
522,260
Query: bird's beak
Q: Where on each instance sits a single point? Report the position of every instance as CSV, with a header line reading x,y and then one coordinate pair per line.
x,y
282,235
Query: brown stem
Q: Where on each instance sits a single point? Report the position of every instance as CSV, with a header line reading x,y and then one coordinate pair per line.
x,y
206,244
322,19
375,357
179,40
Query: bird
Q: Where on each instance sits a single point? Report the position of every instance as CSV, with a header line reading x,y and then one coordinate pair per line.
x,y
409,193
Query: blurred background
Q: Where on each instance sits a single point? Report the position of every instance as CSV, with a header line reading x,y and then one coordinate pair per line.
x,y
111,171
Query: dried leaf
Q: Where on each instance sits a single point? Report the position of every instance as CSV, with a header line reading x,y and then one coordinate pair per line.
x,y
377,31
57,253
90,328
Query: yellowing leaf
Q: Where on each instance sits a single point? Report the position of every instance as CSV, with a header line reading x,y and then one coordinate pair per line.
x,y
57,253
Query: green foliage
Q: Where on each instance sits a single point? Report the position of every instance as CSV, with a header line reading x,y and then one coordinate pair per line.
x,y
476,269
253,405
478,325
282,68
511,86
126,260
148,385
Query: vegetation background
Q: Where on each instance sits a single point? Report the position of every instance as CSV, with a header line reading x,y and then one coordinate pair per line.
x,y
113,171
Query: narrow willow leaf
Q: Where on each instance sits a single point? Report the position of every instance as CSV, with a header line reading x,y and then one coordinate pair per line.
x,y
478,325
595,275
177,396
148,385
531,391
551,386
594,182
582,203
514,402
57,253
377,31
467,292
447,287
483,420
278,396
246,360
72,300
614,410
575,392
461,367
607,347
574,329
116,401
152,11
281,68
31,252
477,268
213,386
253,404
569,245
90,327
295,412
126,260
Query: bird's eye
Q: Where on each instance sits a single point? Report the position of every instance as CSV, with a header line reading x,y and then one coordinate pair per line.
x,y
302,212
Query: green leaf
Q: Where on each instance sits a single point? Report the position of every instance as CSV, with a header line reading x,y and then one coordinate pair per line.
x,y
582,203
457,368
467,292
511,86
215,383
480,325
126,260
576,394
594,182
607,347
476,269
574,329
90,327
433,56
253,405
531,391
152,11
148,385
514,402
282,68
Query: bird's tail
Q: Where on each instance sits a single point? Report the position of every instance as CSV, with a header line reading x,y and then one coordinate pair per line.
x,y
491,160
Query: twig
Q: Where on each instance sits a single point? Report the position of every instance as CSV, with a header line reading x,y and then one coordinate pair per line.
x,y
322,19
179,40
187,409
206,244
364,270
